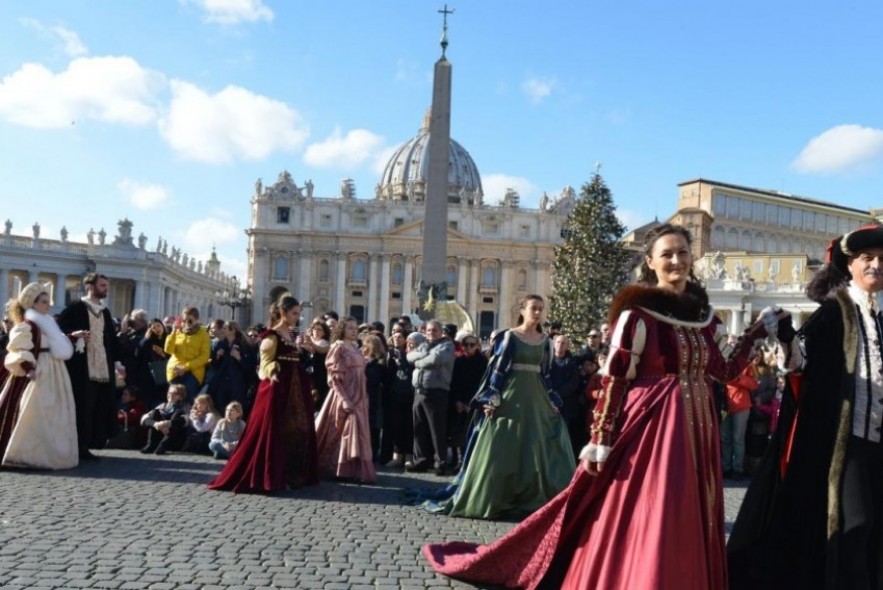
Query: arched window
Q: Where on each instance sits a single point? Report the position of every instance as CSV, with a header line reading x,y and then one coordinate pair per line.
x,y
732,239
280,268
745,241
359,270
451,275
489,276
398,273
718,238
758,245
521,279
323,271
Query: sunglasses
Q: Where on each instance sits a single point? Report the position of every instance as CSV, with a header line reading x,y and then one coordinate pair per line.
x,y
593,335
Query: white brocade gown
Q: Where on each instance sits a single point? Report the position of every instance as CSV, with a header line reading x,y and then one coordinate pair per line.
x,y
45,434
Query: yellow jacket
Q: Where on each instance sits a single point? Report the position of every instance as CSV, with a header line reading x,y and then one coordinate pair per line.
x,y
190,351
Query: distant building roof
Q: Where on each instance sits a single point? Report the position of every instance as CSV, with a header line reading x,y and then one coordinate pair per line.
x,y
775,193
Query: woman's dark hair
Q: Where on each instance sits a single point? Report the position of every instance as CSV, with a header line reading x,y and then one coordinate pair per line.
x,y
531,297
337,333
646,274
282,306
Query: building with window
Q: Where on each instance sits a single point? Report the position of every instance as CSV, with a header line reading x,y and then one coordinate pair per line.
x,y
157,280
362,257
758,247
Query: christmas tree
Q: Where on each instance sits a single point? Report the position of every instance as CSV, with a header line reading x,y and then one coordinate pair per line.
x,y
592,264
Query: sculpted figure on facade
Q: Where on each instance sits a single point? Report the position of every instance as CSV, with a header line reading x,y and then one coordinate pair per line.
x,y
124,233
258,186
8,230
142,241
309,187
36,228
90,237
63,233
102,236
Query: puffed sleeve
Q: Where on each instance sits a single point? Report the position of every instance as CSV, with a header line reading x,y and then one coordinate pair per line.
x,y
626,346
20,356
268,364
337,365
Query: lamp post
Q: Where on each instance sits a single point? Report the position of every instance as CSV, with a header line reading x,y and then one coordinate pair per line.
x,y
233,298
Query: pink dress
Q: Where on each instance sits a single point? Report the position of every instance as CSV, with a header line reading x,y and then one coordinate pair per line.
x,y
654,518
343,432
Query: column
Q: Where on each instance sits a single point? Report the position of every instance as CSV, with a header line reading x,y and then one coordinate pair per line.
x,y
155,305
539,285
384,287
505,288
141,295
408,285
32,277
340,285
373,289
474,295
57,292
304,284
4,286
462,271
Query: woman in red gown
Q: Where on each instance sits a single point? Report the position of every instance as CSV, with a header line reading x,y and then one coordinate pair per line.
x,y
644,510
278,448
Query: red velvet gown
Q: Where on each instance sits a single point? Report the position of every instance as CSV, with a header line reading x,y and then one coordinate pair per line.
x,y
278,448
654,518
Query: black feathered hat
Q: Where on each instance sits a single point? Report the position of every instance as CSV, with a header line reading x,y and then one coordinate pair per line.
x,y
842,248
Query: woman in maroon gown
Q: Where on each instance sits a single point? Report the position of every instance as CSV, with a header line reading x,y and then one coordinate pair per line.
x,y
645,508
278,448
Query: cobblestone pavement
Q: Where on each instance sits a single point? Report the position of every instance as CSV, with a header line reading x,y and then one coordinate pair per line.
x,y
146,522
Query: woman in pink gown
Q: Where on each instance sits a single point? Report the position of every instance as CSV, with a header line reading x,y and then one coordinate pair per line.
x,y
278,448
342,427
644,510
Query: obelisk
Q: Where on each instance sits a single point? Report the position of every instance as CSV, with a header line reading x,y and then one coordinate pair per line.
x,y
435,220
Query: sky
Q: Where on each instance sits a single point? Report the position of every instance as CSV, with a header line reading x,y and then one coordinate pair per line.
x,y
166,112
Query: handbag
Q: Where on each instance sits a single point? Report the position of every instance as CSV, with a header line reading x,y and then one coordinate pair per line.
x,y
158,371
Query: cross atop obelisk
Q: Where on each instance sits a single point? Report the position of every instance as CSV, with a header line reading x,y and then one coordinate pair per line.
x,y
444,38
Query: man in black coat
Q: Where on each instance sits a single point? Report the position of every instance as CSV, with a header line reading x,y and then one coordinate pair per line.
x,y
812,517
92,367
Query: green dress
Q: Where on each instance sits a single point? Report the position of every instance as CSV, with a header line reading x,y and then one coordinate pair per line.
x,y
522,456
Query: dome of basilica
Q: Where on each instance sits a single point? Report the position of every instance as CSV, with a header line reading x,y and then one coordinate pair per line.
x,y
404,176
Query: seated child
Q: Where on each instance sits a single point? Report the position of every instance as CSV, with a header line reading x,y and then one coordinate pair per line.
x,y
203,418
130,434
228,432
167,422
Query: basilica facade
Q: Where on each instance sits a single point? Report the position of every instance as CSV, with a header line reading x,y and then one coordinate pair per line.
x,y
362,257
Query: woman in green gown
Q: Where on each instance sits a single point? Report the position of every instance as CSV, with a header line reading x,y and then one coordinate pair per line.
x,y
518,455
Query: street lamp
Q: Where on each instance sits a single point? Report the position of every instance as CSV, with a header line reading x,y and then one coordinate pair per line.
x,y
237,297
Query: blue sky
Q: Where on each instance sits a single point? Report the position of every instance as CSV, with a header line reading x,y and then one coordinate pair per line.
x,y
167,111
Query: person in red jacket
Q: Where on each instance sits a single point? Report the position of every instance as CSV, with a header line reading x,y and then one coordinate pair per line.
x,y
735,424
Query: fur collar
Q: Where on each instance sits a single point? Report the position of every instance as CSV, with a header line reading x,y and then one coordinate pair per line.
x,y
689,306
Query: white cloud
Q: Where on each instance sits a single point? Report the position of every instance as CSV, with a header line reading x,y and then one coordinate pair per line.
x,y
537,89
232,124
144,196
344,151
840,148
109,89
495,186
202,235
71,44
229,12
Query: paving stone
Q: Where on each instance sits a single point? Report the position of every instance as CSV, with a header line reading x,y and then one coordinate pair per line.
x,y
86,528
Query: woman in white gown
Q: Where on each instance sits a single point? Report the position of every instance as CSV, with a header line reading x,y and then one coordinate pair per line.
x,y
38,425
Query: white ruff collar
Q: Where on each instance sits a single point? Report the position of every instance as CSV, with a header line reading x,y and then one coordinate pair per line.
x,y
96,307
